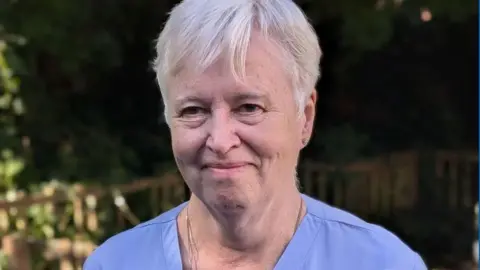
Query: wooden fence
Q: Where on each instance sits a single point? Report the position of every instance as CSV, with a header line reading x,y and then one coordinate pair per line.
x,y
428,198
70,252
392,182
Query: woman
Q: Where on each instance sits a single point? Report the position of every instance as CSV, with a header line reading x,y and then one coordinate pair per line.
x,y
237,78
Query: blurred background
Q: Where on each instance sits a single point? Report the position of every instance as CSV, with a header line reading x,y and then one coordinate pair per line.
x,y
85,153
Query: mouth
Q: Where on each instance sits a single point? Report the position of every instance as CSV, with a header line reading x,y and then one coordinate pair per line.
x,y
224,167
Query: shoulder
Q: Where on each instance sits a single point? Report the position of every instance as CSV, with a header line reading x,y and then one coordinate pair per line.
x,y
363,239
127,249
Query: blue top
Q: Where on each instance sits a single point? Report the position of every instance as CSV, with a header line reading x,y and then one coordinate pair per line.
x,y
327,238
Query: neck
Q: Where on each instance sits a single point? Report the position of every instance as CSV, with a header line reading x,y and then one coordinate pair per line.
x,y
265,228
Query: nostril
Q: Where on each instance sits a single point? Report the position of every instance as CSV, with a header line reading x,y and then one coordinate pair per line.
x,y
222,143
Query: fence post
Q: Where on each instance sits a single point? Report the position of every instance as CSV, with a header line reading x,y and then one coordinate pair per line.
x,y
92,218
17,250
165,201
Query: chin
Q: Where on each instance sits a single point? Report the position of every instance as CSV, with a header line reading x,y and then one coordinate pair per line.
x,y
228,201
227,194
229,208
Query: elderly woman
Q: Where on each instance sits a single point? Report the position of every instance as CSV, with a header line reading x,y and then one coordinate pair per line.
x,y
238,82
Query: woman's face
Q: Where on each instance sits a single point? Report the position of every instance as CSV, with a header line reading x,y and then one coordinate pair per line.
x,y
235,143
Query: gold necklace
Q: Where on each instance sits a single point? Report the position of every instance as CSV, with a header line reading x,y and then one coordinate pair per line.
x,y
191,243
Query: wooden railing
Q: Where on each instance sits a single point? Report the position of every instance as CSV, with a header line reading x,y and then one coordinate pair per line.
x,y
392,182
459,171
440,188
70,252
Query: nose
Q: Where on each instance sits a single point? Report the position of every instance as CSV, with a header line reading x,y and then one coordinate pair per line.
x,y
222,136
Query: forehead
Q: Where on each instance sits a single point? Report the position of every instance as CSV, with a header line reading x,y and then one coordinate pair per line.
x,y
264,72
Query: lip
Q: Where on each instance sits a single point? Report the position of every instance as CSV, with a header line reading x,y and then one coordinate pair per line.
x,y
225,166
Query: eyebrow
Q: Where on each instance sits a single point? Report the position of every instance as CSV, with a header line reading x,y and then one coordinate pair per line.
x,y
237,97
243,96
188,98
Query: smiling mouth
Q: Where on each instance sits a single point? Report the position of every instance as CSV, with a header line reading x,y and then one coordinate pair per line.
x,y
224,167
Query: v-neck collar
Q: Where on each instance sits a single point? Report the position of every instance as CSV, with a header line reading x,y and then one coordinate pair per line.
x,y
294,255
298,247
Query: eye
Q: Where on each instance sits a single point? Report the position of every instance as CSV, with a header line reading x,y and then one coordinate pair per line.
x,y
250,108
192,111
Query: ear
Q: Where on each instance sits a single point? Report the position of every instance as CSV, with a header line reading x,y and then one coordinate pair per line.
x,y
309,116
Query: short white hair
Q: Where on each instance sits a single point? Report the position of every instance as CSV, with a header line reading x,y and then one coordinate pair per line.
x,y
199,32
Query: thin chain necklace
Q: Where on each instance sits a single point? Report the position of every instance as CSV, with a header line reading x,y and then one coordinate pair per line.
x,y
192,248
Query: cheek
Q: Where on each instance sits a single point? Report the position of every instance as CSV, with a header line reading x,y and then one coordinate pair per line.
x,y
271,142
186,144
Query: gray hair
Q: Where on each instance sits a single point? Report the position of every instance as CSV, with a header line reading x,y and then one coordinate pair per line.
x,y
199,32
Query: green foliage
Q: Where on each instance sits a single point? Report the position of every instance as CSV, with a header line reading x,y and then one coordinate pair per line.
x,y
10,107
3,261
369,24
66,48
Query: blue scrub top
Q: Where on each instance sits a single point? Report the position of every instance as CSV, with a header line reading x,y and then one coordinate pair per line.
x,y
327,238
